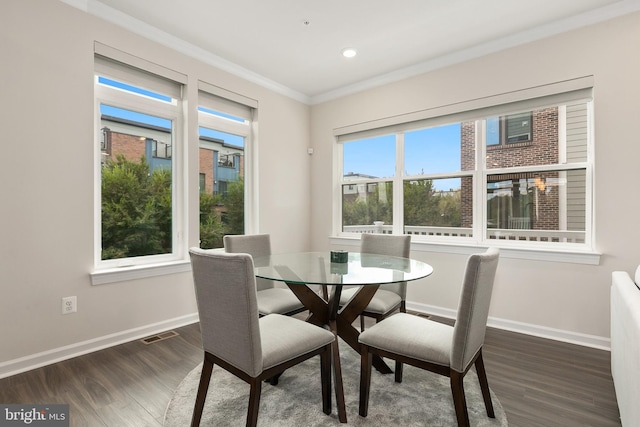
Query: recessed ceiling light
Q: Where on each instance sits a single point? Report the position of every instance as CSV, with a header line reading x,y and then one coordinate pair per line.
x,y
349,52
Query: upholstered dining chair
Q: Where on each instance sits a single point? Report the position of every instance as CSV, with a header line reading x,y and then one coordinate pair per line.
x,y
388,298
271,299
235,338
436,347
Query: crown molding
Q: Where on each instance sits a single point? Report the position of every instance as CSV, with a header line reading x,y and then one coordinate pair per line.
x,y
98,9
606,13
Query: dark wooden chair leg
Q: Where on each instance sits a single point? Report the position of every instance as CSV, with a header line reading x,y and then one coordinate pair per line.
x,y
254,402
459,401
274,379
325,378
366,360
203,387
361,323
398,375
484,385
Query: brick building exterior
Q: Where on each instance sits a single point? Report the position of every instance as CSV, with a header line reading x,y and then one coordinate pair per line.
x,y
216,170
540,211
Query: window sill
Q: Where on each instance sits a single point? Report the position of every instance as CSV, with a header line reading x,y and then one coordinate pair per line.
x,y
122,274
563,255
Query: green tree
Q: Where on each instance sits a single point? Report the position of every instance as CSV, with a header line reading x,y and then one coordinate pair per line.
x,y
355,212
234,202
221,215
449,207
424,206
161,196
376,207
420,207
136,209
212,229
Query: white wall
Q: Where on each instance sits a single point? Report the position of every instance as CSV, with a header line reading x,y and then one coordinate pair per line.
x,y
46,213
563,300
46,249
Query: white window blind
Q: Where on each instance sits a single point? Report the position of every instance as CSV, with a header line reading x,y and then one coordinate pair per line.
x,y
225,101
126,68
569,91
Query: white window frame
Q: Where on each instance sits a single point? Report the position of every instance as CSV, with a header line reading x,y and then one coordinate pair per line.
x,y
120,66
478,110
222,100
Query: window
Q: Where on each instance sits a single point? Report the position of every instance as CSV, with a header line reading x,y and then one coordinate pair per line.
x,y
436,168
223,189
161,150
518,177
141,174
225,132
509,129
202,179
139,119
370,200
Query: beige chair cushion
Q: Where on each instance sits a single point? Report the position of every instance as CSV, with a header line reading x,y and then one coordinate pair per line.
x,y
411,336
277,300
284,338
382,302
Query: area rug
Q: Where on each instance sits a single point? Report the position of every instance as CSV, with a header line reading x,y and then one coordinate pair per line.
x,y
422,399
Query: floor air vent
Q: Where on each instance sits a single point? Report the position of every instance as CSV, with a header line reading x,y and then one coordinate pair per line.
x,y
159,337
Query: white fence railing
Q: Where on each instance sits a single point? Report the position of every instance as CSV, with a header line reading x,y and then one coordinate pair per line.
x,y
548,236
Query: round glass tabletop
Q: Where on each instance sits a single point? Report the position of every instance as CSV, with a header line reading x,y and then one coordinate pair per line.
x,y
316,268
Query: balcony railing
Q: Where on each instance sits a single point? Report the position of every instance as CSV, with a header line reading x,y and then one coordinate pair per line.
x,y
492,233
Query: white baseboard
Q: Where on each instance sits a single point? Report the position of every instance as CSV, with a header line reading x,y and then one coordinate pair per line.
x,y
27,363
23,364
602,343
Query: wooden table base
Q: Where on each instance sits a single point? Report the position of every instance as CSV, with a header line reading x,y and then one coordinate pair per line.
x,y
328,313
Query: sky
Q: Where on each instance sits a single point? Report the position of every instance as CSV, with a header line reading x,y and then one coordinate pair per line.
x,y
432,150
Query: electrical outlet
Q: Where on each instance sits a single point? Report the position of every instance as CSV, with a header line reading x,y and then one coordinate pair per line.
x,y
69,305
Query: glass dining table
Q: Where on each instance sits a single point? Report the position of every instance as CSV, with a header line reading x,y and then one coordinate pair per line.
x,y
318,284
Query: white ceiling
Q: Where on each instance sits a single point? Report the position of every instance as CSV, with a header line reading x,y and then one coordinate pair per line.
x,y
268,42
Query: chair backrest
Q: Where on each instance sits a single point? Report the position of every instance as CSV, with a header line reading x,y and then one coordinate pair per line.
x,y
227,304
392,245
473,308
255,245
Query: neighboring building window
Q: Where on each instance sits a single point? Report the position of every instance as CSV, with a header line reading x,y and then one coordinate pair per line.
x,y
509,129
225,131
223,189
203,182
227,160
514,177
161,150
139,118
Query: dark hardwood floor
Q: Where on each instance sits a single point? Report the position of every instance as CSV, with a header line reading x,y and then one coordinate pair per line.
x,y
539,382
